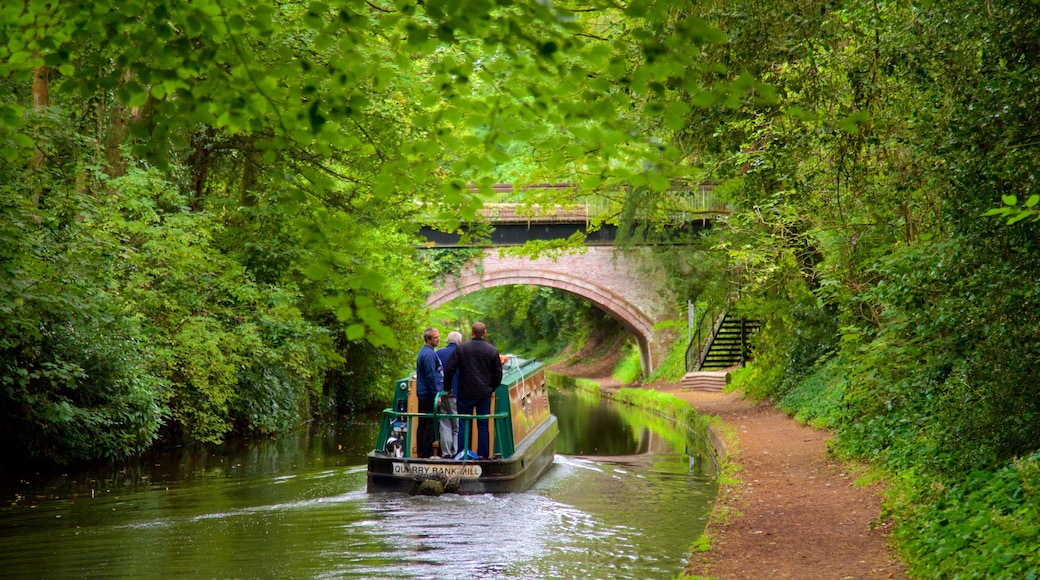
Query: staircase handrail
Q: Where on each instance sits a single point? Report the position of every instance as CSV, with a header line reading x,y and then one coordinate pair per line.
x,y
719,320
696,339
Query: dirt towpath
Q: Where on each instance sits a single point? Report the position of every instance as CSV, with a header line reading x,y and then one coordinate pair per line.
x,y
795,512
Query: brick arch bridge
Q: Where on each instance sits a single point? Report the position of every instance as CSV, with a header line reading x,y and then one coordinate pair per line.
x,y
623,284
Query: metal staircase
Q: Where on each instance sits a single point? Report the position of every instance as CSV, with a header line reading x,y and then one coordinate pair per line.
x,y
728,344
722,345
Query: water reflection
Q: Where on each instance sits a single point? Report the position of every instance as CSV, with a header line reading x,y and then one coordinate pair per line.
x,y
297,507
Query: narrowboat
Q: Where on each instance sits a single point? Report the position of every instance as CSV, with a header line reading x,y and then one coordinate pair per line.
x,y
522,440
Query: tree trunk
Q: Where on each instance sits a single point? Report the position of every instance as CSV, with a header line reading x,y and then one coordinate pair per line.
x,y
41,92
115,134
199,161
250,169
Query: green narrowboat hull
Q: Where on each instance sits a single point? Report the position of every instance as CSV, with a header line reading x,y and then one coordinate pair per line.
x,y
509,475
522,433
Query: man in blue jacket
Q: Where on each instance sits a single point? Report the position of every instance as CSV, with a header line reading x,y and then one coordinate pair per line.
x,y
479,369
429,380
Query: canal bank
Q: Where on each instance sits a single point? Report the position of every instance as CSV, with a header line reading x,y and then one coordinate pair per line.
x,y
785,509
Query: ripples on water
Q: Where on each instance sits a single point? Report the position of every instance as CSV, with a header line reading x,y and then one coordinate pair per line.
x,y
618,517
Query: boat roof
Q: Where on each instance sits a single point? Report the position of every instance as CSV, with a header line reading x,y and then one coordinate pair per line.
x,y
515,368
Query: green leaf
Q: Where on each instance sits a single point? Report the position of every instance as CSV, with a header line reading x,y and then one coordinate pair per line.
x,y
318,270
382,335
658,182
9,154
1021,216
363,301
23,141
702,98
137,97
852,123
355,331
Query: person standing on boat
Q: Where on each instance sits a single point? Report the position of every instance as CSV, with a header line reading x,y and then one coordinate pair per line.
x,y
449,428
429,380
479,370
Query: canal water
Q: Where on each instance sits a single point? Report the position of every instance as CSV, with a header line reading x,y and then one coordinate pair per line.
x,y
627,494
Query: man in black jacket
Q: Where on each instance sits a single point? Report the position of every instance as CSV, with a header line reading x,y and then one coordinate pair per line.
x,y
480,372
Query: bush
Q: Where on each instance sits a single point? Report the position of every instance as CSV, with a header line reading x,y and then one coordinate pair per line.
x,y
816,399
629,368
78,389
984,527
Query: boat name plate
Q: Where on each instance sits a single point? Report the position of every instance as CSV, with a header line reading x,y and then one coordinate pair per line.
x,y
427,469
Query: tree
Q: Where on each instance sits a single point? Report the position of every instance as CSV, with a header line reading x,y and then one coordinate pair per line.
x,y
230,187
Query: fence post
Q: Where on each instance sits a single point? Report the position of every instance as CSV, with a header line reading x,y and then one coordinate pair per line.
x,y
689,318
743,341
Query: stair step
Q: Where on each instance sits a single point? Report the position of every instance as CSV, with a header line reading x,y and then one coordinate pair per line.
x,y
709,381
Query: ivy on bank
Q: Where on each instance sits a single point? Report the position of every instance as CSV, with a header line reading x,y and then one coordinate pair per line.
x,y
982,527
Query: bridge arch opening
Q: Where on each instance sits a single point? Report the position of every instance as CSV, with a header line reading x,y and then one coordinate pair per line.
x,y
637,324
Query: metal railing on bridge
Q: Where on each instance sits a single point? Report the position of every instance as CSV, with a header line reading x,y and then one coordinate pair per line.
x,y
681,203
512,220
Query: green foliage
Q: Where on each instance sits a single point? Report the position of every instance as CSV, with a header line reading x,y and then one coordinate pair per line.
x,y
79,390
239,183
125,320
926,362
222,338
673,367
1013,212
535,321
448,262
77,377
362,108
697,271
984,527
793,338
817,398
895,309
207,217
629,369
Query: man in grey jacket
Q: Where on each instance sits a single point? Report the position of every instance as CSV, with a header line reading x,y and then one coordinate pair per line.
x,y
449,428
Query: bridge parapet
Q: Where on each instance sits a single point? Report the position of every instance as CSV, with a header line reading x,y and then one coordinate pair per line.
x,y
511,203
523,213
